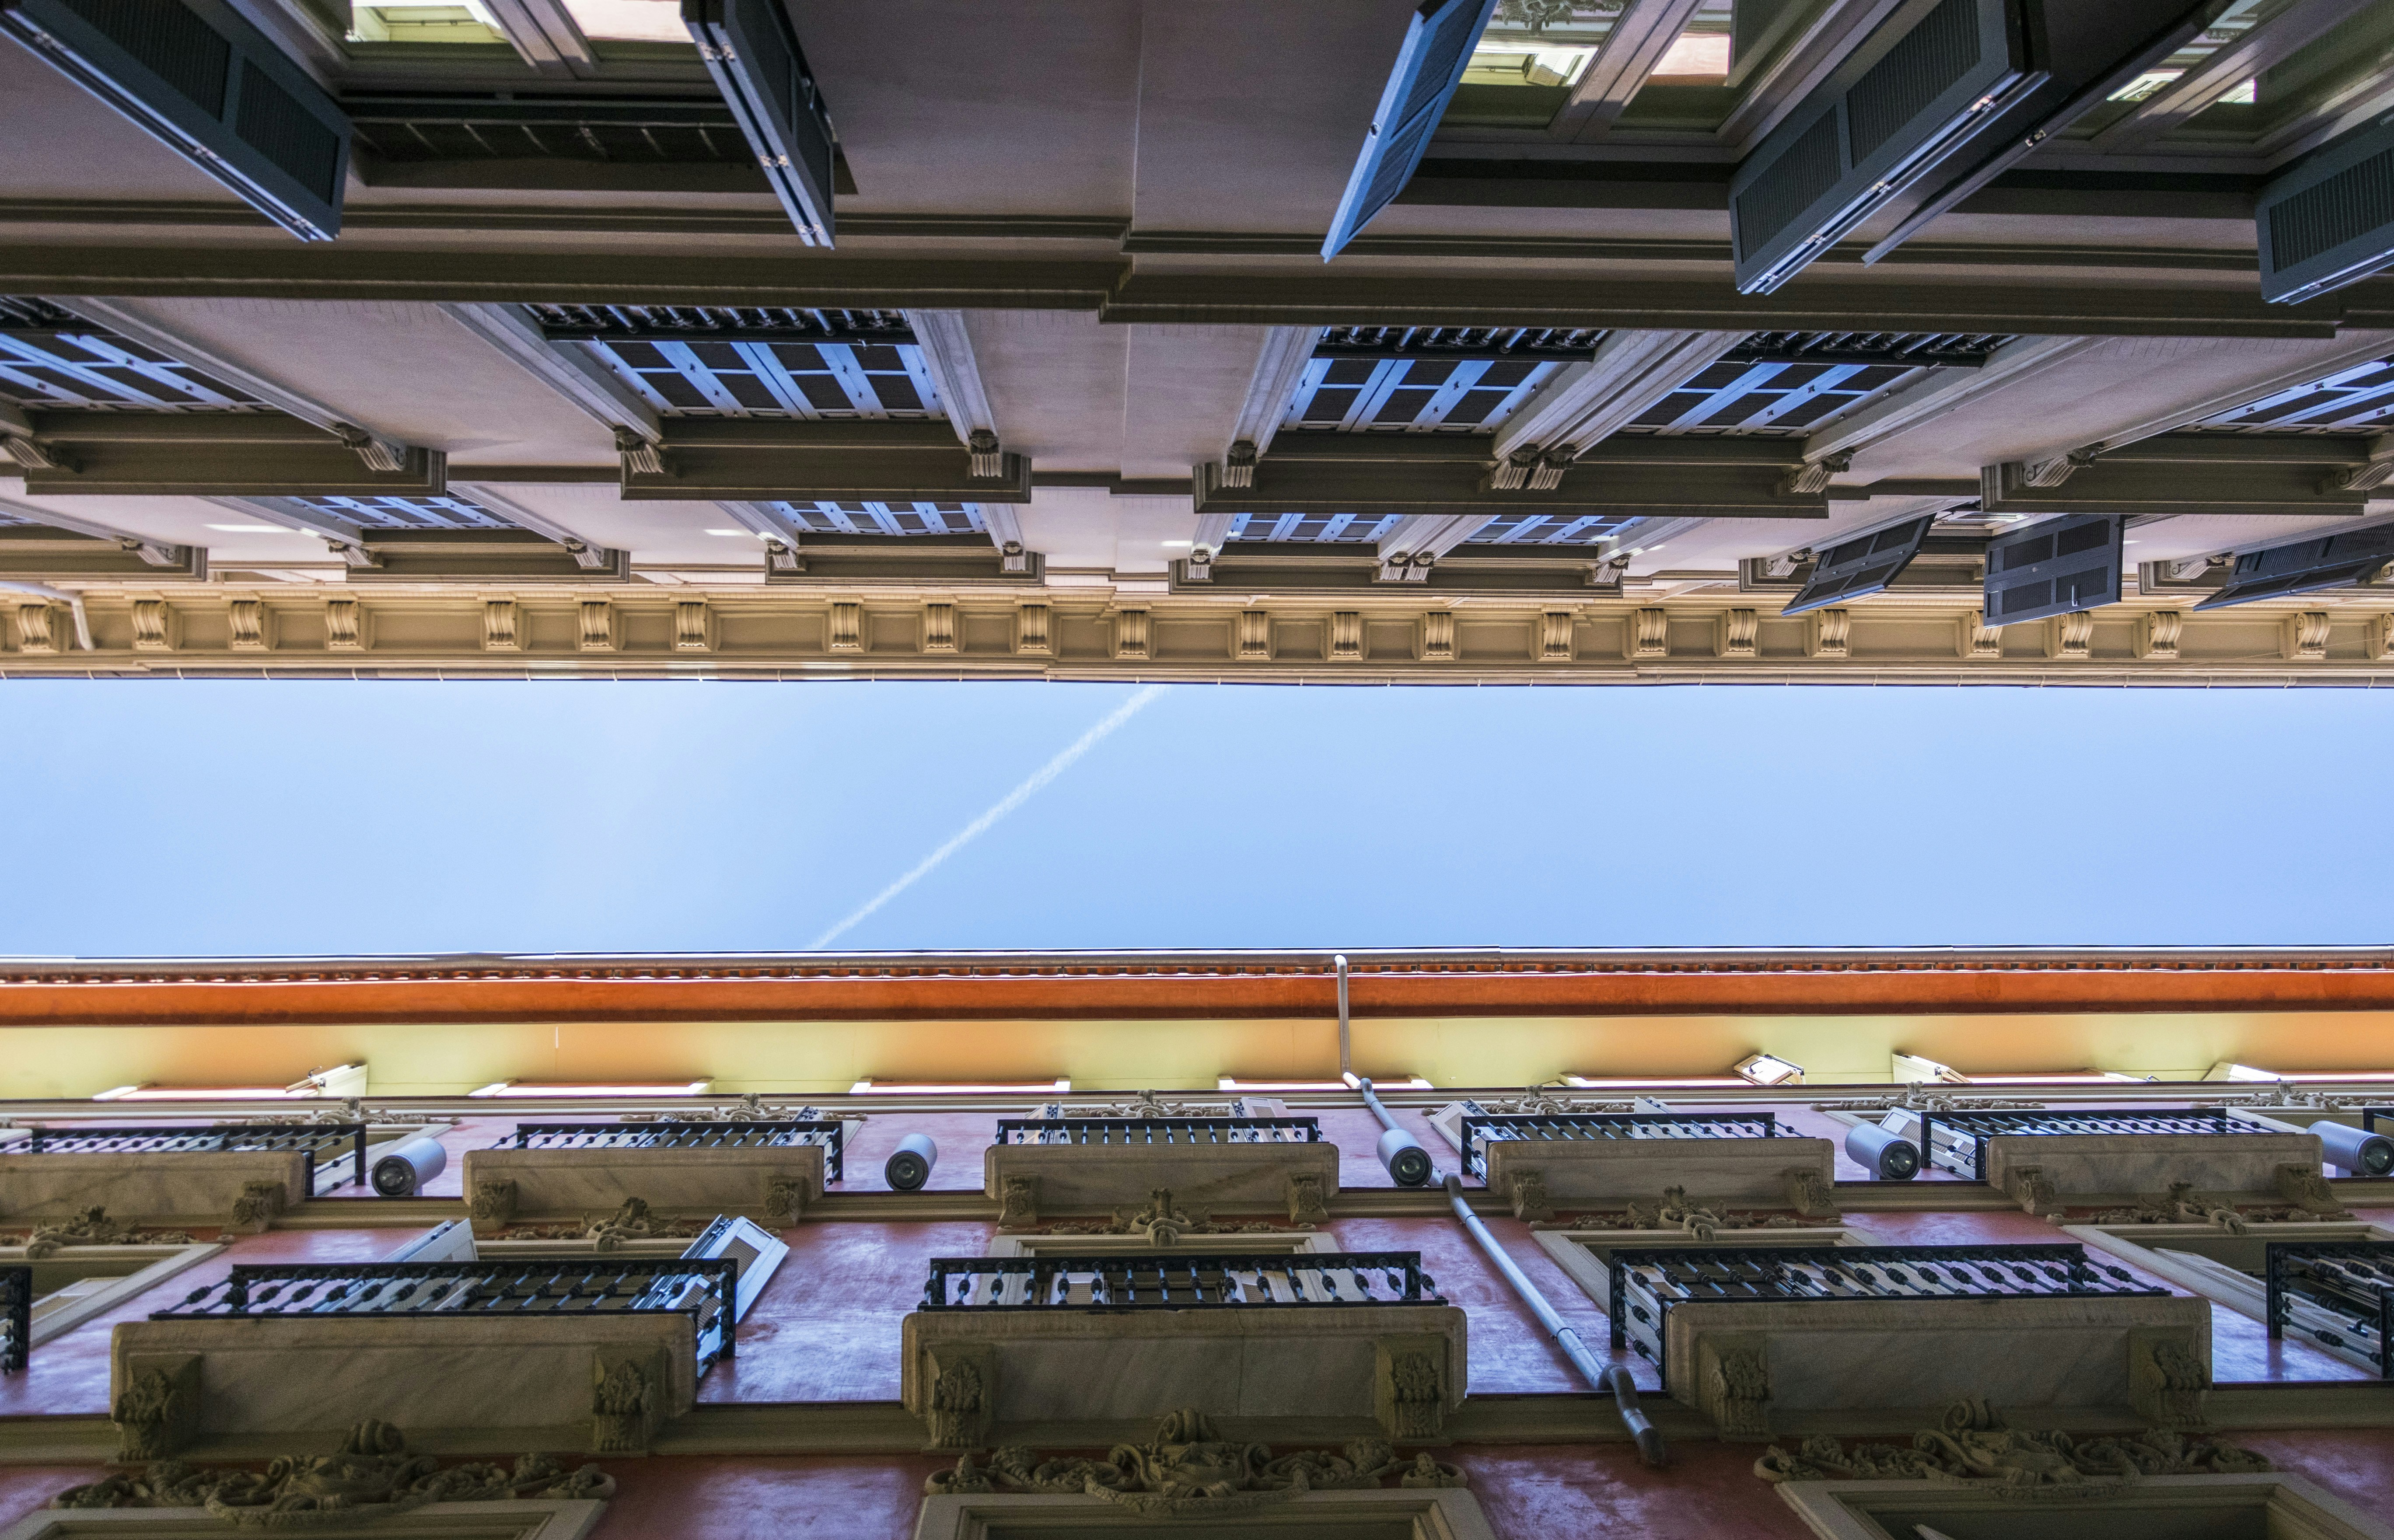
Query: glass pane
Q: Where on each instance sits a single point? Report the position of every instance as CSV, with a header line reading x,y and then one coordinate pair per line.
x,y
1700,55
629,20
464,22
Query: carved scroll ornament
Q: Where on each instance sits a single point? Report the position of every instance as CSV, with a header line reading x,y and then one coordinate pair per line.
x,y
371,1476
94,1227
1187,1471
1975,1447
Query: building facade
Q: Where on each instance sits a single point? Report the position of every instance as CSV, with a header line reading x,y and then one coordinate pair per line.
x,y
1514,1244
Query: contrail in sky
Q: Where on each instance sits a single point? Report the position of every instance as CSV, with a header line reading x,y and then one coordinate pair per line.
x,y
1012,800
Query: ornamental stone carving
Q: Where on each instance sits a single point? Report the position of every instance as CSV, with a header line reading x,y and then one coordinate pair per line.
x,y
371,1476
2182,1205
624,1403
1161,1222
94,1227
2166,1382
491,1205
1417,1396
1305,1204
2033,1190
1530,1203
2307,1190
255,1208
1018,1202
1188,1470
786,1200
1975,1448
1736,1387
963,1391
159,1409
1810,1196
632,1221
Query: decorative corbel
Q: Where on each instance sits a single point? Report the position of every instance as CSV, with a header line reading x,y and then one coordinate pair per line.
x,y
1239,464
1780,568
1018,1202
29,454
1530,1202
626,1399
158,1412
376,453
1813,476
2033,1190
2167,1382
1810,1196
255,1210
785,1199
641,457
492,1205
2054,471
1409,1387
962,1393
1530,468
1733,1385
2307,1190
1305,1204
2370,474
984,459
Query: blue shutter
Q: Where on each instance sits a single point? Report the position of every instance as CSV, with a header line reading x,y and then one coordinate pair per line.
x,y
1430,66
1868,132
2053,568
1863,565
2332,561
2330,221
752,51
199,76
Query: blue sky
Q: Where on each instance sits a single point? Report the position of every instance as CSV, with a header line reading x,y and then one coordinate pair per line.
x,y
237,817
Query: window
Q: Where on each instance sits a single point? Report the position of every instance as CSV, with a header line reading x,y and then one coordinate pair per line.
x,y
50,358
884,518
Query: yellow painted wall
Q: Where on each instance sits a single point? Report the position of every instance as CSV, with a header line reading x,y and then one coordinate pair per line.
x,y
827,1057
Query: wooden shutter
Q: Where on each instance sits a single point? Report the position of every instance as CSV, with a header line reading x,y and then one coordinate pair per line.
x,y
2329,561
1868,131
1863,565
2053,568
1438,45
2330,221
199,76
752,51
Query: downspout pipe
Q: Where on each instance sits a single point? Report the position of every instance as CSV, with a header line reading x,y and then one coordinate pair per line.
x,y
1346,1045
1613,1377
1407,1161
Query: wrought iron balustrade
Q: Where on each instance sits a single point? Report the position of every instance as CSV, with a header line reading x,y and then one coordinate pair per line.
x,y
2337,1294
325,1144
2369,1116
701,1288
16,1318
1176,1282
1648,1285
1151,1131
753,1134
1963,1151
1481,1130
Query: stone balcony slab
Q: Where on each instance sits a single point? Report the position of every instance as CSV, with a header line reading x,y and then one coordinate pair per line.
x,y
1035,1180
1541,1177
2087,1168
240,1189
771,1184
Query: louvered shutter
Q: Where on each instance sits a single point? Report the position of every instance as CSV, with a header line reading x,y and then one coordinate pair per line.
x,y
1863,565
752,51
1438,45
2330,221
2330,562
2053,568
1868,131
199,76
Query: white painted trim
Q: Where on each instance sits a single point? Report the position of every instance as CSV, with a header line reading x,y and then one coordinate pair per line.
x,y
2295,1508
1278,365
1188,1245
1569,1248
948,354
170,1260
1436,1514
567,368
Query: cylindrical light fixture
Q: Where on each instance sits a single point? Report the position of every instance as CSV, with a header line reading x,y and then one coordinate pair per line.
x,y
403,1172
1882,1152
909,1165
2362,1154
1408,1163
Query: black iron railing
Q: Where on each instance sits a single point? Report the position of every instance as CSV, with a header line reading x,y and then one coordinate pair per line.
x,y
759,1134
16,1318
1178,1280
2369,1116
1962,1146
2337,1294
1648,1285
701,1288
325,1144
1147,1131
1481,1130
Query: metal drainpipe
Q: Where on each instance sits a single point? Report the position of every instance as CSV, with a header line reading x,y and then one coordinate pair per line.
x,y
1614,1378
1346,1055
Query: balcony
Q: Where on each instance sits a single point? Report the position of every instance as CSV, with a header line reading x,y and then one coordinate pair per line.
x,y
1096,1346
237,1176
1543,1162
1233,1164
2051,1159
2337,1294
766,1170
555,1354
1756,1339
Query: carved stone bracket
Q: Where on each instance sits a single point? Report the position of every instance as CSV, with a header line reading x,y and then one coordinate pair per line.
x,y
94,1227
963,1394
255,1208
158,1411
1811,1197
627,1400
1409,1387
1304,1202
2306,1189
492,1205
1530,1202
1733,1385
785,1199
2034,1192
1018,1202
2168,1380
1974,1445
